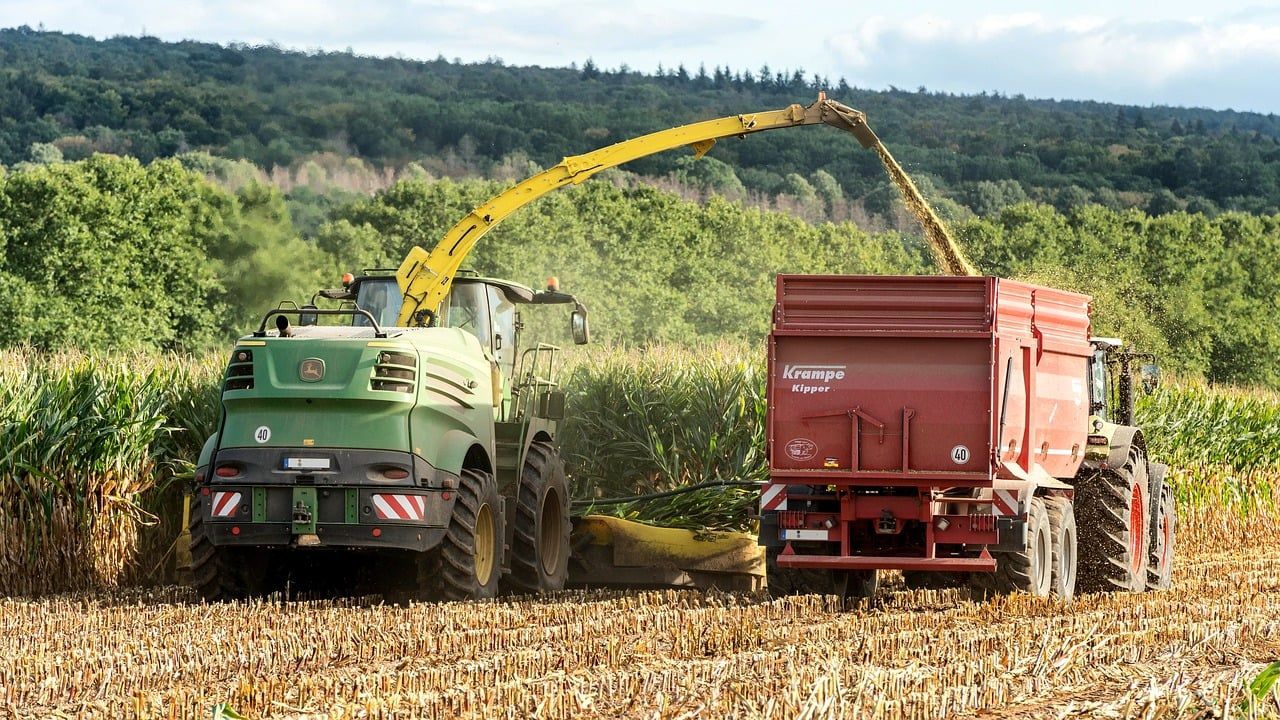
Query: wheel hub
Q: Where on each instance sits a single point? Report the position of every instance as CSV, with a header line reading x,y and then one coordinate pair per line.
x,y
1137,528
484,544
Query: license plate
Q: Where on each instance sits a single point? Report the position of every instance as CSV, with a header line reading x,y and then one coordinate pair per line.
x,y
306,463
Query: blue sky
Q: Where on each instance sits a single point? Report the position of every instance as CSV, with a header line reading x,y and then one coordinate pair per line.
x,y
1222,55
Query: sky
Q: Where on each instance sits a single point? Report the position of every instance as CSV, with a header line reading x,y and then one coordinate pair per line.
x,y
1223,54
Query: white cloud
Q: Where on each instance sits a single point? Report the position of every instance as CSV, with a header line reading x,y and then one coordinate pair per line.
x,y
1202,61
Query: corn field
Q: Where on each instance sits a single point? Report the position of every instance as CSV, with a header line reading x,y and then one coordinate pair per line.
x,y
94,449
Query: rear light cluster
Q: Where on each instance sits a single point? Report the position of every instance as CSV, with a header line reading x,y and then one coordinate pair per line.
x,y
240,371
395,372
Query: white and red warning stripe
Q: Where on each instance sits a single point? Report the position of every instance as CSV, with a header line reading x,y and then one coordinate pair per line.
x,y
773,497
1004,502
399,507
226,503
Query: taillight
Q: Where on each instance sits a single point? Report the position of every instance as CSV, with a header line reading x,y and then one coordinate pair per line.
x,y
227,471
395,473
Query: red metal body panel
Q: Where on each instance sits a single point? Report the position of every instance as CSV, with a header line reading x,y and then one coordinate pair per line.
x,y
880,385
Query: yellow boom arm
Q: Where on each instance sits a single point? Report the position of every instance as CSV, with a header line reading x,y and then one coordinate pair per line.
x,y
426,277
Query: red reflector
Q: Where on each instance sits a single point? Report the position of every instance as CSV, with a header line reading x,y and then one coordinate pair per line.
x,y
227,471
377,532
235,529
445,496
396,474
204,491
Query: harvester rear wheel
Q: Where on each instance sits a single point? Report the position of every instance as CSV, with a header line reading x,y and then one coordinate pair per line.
x,y
221,573
781,582
1112,507
540,548
471,553
1160,566
1028,570
1062,532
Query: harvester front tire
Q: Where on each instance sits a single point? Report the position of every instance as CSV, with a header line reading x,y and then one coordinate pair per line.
x,y
1160,566
540,546
471,553
1029,570
1062,533
1112,507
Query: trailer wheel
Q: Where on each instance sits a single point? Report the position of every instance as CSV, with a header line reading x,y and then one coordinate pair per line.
x,y
1029,570
471,553
781,582
1062,532
223,573
540,548
1112,508
1160,566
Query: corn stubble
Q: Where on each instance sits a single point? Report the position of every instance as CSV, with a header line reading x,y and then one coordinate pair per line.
x,y
87,443
912,654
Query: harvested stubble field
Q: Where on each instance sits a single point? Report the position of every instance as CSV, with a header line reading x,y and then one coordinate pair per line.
x,y
92,443
1188,652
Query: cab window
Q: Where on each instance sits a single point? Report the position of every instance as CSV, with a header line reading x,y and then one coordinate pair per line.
x,y
468,309
382,298
503,314
1098,381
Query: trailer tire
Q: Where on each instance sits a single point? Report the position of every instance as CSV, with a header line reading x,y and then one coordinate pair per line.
x,y
1160,565
1112,507
1029,570
1062,531
222,573
540,545
781,582
470,556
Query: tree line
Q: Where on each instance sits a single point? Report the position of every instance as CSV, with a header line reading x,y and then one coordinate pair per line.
x,y
112,253
68,96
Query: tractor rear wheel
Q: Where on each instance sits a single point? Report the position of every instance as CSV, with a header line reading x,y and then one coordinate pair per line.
x,y
1160,566
1062,534
471,553
1028,570
1112,507
540,548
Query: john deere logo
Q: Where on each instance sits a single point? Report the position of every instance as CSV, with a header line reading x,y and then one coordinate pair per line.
x,y
312,370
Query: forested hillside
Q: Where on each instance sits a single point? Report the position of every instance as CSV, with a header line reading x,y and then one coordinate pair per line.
x,y
147,98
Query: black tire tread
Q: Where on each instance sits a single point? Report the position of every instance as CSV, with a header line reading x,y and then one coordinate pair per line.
x,y
212,576
782,582
1157,580
456,556
1102,514
542,466
1014,572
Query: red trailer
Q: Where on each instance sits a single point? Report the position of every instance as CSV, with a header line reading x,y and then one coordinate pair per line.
x,y
940,424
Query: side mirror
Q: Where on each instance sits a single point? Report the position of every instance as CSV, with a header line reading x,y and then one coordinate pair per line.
x,y
1150,375
308,318
579,327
